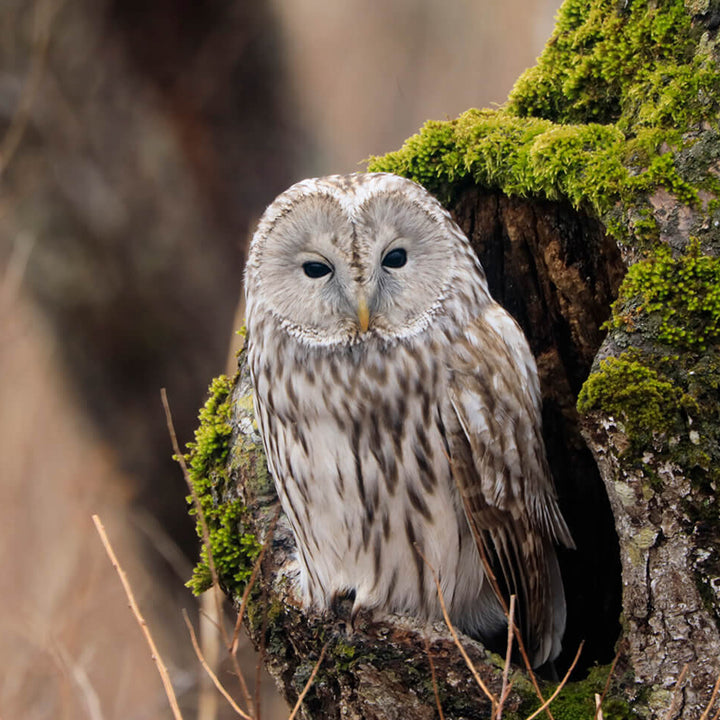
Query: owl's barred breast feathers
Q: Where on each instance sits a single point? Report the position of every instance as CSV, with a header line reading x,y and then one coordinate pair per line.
x,y
400,411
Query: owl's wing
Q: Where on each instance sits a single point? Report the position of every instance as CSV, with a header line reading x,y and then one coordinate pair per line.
x,y
498,460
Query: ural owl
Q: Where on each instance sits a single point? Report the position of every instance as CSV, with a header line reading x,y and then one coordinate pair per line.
x,y
399,407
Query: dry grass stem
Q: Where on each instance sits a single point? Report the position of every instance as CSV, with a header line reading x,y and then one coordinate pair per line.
x,y
162,669
209,671
466,657
434,679
253,577
542,708
598,706
206,542
531,674
308,684
508,654
261,656
706,713
89,696
676,693
480,543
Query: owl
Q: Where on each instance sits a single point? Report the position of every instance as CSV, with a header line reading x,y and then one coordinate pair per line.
x,y
399,407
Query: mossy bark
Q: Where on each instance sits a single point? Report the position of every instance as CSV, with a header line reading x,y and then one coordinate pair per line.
x,y
593,200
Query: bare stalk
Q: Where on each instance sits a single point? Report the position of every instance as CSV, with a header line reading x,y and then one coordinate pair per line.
x,y
434,679
480,543
508,654
251,581
543,707
466,657
209,671
308,684
706,713
162,669
598,706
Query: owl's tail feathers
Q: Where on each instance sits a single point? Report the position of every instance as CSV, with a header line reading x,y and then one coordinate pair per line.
x,y
525,565
547,641
553,524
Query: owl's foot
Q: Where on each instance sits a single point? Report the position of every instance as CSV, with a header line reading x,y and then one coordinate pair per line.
x,y
350,616
341,608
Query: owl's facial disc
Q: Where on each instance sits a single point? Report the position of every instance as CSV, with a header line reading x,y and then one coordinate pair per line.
x,y
339,271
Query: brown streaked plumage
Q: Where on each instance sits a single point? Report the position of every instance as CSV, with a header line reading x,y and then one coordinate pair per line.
x,y
400,410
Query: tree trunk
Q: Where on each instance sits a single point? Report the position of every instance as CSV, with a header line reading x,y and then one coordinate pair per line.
x,y
592,201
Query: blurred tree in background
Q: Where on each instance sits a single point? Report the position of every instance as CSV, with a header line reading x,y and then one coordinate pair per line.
x,y
138,143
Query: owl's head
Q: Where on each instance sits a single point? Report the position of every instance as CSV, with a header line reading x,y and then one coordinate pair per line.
x,y
343,258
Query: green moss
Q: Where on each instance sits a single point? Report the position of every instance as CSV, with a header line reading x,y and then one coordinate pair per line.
x,y
593,166
576,700
635,65
233,550
681,295
644,400
519,156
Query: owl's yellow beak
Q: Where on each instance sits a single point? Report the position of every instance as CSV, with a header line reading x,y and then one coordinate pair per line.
x,y
362,312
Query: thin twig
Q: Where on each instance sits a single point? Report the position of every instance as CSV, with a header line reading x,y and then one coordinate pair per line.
x,y
598,708
209,671
706,714
676,690
206,542
466,657
89,695
434,679
560,686
508,654
308,683
251,581
263,647
531,673
162,669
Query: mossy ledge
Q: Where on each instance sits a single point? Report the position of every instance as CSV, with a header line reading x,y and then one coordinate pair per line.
x,y
233,549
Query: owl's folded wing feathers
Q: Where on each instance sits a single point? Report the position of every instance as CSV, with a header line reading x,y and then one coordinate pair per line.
x,y
498,460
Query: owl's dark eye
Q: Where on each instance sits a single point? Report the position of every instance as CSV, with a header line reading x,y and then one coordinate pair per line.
x,y
315,269
395,258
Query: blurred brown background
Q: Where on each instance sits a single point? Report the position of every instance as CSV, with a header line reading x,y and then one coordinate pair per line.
x,y
139,141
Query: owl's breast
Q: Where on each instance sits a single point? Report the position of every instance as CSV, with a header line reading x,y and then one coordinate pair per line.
x,y
357,443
